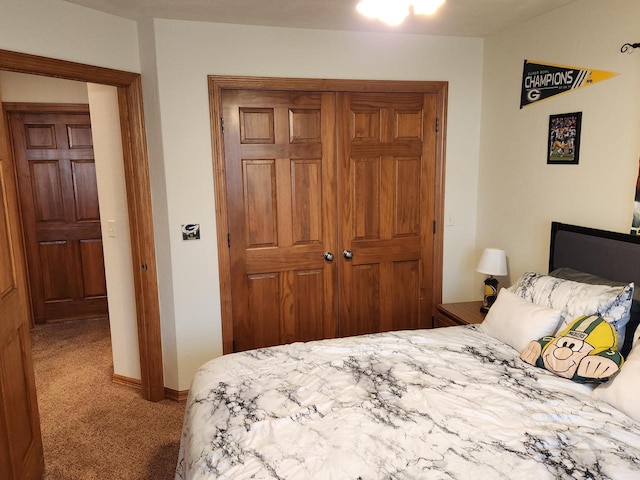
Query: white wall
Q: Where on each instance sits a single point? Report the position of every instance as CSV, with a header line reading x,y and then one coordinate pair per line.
x,y
162,232
18,87
518,193
112,196
186,52
58,29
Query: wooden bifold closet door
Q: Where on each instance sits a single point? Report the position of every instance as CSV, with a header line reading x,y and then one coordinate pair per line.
x,y
331,210
282,215
386,203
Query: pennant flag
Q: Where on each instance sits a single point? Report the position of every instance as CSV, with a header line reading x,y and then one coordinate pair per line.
x,y
543,80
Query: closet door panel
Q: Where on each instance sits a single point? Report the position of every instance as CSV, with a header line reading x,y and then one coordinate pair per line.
x,y
406,209
280,178
363,302
259,186
365,193
261,327
405,288
386,163
308,306
306,194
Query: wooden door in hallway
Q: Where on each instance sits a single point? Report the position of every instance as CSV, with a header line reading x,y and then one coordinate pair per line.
x,y
386,177
21,455
53,150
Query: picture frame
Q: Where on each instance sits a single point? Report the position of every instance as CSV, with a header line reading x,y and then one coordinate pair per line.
x,y
563,141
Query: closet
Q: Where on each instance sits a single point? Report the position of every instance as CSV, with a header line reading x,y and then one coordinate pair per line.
x,y
329,198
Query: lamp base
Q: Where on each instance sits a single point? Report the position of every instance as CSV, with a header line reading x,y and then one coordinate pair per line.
x,y
490,293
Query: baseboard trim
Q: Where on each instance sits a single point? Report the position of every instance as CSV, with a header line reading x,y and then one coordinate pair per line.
x,y
176,395
126,381
169,393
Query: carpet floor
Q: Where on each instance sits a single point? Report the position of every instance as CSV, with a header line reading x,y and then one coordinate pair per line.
x,y
91,427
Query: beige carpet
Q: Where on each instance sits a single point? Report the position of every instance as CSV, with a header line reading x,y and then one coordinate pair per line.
x,y
92,428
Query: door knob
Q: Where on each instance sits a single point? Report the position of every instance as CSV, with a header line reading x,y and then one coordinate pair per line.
x,y
348,254
328,256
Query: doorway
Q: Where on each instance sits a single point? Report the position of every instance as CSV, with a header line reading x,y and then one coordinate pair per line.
x,y
138,189
21,453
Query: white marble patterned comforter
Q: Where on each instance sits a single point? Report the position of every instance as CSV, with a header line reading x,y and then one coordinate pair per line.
x,y
450,403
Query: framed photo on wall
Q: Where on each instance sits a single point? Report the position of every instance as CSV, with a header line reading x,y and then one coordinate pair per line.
x,y
563,143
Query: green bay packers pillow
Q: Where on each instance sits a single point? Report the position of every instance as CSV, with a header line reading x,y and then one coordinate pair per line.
x,y
585,351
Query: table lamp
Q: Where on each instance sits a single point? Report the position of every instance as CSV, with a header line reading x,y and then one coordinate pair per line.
x,y
492,262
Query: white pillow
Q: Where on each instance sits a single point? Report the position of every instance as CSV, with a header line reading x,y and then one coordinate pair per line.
x,y
623,390
613,303
517,322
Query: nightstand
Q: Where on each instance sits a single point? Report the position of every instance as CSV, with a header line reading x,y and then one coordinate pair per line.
x,y
462,313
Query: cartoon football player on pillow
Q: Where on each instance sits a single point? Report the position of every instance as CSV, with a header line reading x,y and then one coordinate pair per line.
x,y
585,351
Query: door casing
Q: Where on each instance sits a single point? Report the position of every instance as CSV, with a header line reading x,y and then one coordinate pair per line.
x,y
138,186
219,83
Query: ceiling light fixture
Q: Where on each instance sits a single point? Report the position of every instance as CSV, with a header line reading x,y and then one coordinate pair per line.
x,y
393,12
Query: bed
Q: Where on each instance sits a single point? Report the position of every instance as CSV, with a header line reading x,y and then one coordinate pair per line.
x,y
448,403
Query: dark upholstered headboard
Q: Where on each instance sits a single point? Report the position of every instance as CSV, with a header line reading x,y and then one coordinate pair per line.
x,y
611,255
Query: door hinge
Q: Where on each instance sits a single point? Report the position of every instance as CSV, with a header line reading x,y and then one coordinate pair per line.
x,y
434,226
437,124
222,124
228,241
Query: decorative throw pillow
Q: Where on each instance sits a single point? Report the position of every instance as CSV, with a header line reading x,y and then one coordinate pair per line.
x,y
623,391
585,351
613,303
624,343
516,321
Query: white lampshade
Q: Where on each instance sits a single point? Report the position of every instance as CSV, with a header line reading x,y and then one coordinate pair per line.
x,y
493,262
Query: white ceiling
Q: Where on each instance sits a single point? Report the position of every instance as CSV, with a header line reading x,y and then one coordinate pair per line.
x,y
470,18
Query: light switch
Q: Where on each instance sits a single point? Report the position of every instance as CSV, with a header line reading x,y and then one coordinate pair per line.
x,y
111,228
450,219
